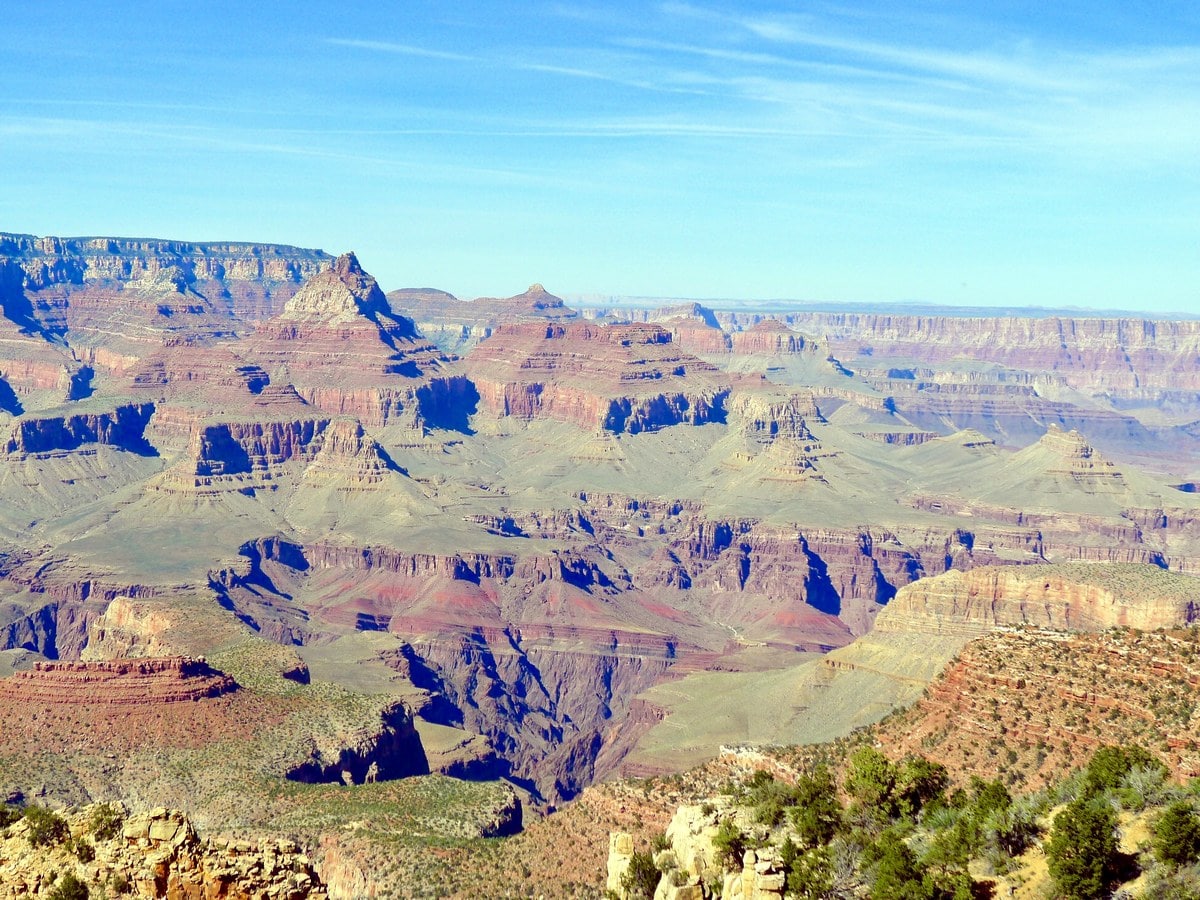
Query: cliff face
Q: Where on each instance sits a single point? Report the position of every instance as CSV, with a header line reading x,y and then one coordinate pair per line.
x,y
124,427
341,321
619,378
1092,354
1068,598
162,680
251,280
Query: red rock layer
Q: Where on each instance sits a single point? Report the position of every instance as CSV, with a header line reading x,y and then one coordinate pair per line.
x,y
773,337
622,378
1028,706
121,682
343,349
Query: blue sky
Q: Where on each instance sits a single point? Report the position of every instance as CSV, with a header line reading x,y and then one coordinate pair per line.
x,y
944,151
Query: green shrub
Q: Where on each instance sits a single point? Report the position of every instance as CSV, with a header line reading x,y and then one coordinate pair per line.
x,y
69,888
84,850
641,879
1010,831
1082,851
871,779
1177,835
45,827
105,822
817,815
730,844
118,883
920,783
1144,786
1110,766
810,875
897,875
989,797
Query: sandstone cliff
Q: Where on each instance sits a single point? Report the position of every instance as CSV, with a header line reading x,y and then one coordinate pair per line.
x,y
1065,597
153,854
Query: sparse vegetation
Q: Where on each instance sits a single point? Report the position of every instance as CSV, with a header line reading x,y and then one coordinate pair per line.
x,y
69,887
45,827
642,877
105,823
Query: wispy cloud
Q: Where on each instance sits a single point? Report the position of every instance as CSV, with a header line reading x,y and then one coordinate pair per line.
x,y
402,49
616,75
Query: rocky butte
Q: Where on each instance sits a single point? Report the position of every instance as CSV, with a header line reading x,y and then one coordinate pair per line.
x,y
415,537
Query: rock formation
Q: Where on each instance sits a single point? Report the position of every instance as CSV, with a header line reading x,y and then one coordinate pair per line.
x,y
154,854
212,445
619,378
341,321
121,682
458,325
1066,598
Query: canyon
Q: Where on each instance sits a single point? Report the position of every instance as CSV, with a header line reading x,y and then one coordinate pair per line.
x,y
508,539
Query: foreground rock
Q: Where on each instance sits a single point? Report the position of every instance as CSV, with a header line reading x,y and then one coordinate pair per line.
x,y
150,854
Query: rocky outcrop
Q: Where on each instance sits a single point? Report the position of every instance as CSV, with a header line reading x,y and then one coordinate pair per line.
x,y
128,629
123,427
691,866
458,325
120,682
340,321
154,854
380,753
621,378
1079,598
620,854
251,280
771,337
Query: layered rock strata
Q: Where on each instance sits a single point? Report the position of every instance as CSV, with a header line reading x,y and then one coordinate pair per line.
x,y
117,682
1069,598
340,321
617,378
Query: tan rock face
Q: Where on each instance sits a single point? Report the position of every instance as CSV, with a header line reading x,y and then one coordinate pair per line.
x,y
979,600
157,854
620,853
129,629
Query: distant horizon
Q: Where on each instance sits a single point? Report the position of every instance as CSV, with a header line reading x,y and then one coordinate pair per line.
x,y
970,156
597,300
889,307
